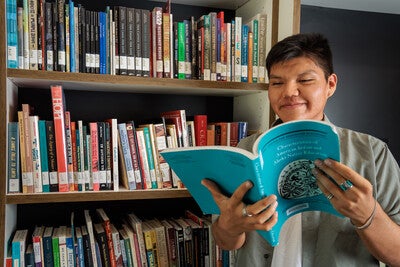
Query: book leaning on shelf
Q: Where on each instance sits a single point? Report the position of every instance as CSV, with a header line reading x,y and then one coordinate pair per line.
x,y
280,164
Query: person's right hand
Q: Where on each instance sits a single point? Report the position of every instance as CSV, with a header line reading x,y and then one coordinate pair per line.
x,y
236,218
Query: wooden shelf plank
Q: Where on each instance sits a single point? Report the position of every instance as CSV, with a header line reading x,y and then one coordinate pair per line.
x,y
122,83
58,197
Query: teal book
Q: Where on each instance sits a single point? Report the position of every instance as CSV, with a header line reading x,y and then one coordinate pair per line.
x,y
281,163
44,160
13,158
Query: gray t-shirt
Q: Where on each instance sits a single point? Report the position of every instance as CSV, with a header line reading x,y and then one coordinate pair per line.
x,y
328,240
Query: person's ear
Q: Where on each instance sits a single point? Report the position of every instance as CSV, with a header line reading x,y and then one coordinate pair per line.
x,y
332,82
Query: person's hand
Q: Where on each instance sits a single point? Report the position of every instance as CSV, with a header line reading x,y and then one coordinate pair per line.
x,y
237,217
349,192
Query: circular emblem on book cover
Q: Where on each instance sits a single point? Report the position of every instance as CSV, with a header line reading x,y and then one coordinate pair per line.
x,y
297,181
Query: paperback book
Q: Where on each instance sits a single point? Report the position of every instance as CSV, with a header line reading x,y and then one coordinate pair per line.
x,y
280,163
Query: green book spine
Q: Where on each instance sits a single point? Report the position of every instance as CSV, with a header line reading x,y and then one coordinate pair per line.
x,y
181,50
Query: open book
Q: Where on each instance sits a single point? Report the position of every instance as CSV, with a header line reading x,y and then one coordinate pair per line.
x,y
280,164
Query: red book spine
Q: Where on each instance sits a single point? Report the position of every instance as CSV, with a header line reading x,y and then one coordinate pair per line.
x,y
59,129
234,134
200,129
95,155
157,42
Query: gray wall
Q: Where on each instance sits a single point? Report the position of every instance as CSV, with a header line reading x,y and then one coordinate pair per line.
x,y
366,53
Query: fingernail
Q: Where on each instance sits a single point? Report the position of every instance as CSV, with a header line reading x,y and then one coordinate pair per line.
x,y
318,162
314,171
328,162
249,184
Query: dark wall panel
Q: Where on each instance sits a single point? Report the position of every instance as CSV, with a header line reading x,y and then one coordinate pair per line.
x,y
366,53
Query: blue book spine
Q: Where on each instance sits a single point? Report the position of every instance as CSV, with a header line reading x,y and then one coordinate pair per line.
x,y
72,56
12,34
13,158
245,51
44,160
127,155
102,39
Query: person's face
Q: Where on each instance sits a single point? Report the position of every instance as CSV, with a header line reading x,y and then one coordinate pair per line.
x,y
298,89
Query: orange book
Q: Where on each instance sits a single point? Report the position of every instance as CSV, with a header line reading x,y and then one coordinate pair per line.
x,y
59,130
95,155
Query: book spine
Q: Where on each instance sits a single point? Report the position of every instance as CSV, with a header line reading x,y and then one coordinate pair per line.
x,y
41,36
94,155
27,176
44,162
250,57
80,154
193,48
238,49
20,25
12,34
207,48
131,26
26,33
157,50
96,27
48,247
102,42
161,140
144,160
72,54
166,25
127,159
75,147
150,155
262,37
146,44
188,49
67,38
244,53
52,156
61,36
13,158
255,60
200,129
213,33
68,139
59,129
82,38
116,40
133,147
49,36
114,152
122,41
108,155
33,34
54,34
101,127
35,146
228,39
181,50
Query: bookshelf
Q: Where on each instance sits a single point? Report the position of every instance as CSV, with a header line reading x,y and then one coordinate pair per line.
x,y
221,100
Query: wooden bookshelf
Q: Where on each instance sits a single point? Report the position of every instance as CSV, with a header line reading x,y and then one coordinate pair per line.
x,y
249,102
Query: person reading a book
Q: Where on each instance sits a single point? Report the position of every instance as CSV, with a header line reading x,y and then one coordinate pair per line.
x,y
364,187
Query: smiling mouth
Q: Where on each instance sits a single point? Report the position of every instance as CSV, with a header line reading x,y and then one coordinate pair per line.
x,y
291,105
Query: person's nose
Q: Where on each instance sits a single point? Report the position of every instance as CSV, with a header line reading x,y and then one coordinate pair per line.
x,y
291,89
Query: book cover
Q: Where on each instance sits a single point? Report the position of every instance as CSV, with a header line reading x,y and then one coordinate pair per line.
x,y
12,34
290,149
13,158
144,160
60,138
56,248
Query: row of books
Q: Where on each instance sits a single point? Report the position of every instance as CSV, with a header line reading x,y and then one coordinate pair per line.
x,y
62,155
65,36
131,241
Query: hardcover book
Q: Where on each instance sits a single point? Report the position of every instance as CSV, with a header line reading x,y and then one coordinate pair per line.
x,y
280,163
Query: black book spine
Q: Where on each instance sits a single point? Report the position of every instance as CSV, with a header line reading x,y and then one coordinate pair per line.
x,y
102,155
138,42
61,35
122,44
82,37
92,43
49,36
146,44
130,40
97,41
87,41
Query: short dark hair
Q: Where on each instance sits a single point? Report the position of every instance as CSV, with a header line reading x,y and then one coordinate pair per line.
x,y
312,45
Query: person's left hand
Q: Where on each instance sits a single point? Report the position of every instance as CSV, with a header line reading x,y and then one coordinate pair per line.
x,y
349,192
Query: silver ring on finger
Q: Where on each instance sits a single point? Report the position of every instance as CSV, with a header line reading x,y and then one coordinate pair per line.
x,y
330,196
245,213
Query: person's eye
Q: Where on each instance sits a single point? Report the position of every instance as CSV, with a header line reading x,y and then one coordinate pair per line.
x,y
276,83
306,81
